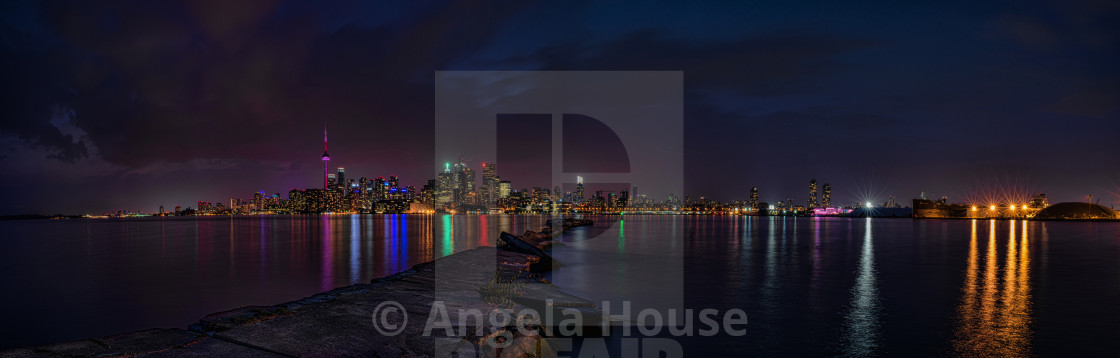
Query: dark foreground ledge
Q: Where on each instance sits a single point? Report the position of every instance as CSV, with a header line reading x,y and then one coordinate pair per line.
x,y
334,323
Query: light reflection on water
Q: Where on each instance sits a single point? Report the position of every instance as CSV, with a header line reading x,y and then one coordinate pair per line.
x,y
76,279
863,316
871,287
995,318
851,287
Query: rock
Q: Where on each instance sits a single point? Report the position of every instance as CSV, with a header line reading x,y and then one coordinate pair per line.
x,y
517,244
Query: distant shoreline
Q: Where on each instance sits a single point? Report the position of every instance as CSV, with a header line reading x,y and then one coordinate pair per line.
x,y
68,217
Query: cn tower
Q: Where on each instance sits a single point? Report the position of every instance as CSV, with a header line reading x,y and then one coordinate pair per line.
x,y
326,158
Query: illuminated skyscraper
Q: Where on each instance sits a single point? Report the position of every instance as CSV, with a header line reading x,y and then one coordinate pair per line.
x,y
341,178
579,190
826,195
463,185
754,197
326,159
504,188
489,183
812,194
445,186
380,188
428,193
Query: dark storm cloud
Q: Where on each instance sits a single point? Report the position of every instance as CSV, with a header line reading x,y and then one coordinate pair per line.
x,y
223,76
722,74
158,87
763,65
32,85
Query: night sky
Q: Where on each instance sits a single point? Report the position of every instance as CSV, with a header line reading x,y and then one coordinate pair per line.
x,y
133,105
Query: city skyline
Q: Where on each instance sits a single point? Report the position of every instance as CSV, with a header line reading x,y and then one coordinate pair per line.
x,y
183,101
456,187
995,191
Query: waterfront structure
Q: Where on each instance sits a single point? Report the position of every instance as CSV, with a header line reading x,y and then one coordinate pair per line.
x,y
1076,211
942,209
1039,201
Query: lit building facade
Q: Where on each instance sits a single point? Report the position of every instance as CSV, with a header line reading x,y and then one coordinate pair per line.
x,y
812,193
826,195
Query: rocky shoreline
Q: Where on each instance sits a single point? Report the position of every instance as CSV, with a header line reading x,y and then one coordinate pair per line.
x,y
340,322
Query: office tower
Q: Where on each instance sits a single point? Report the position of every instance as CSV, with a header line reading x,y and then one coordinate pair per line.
x,y
485,196
445,186
504,188
812,193
379,188
342,178
464,181
326,160
394,182
332,180
539,196
297,202
754,197
257,201
579,190
489,183
826,195
427,193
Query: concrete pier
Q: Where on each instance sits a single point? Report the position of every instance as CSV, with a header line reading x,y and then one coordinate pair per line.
x,y
339,322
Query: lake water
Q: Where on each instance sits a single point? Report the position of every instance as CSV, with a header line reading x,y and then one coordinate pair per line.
x,y
76,279
810,286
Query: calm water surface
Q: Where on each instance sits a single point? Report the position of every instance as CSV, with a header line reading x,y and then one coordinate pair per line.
x,y
811,286
900,287
76,279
